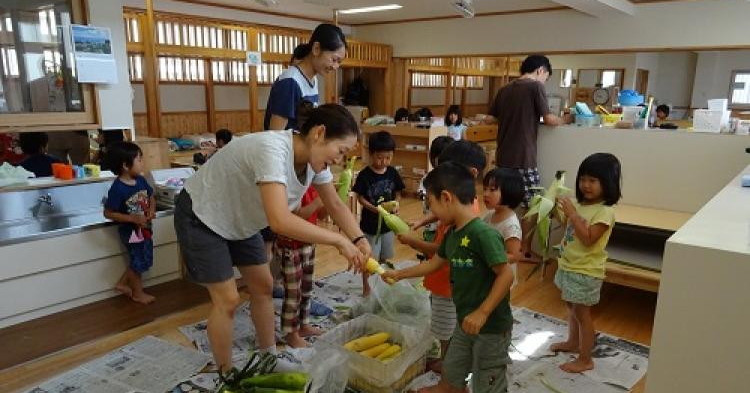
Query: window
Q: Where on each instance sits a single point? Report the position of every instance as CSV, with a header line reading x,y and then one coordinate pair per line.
x,y
468,82
268,72
566,78
275,42
419,79
609,78
178,69
37,58
10,61
230,71
739,90
135,68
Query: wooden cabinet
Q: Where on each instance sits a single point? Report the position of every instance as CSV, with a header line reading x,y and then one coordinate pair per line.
x,y
155,153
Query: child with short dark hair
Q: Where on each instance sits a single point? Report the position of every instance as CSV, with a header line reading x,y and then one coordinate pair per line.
x,y
377,183
131,202
34,144
503,192
223,136
481,281
580,271
443,315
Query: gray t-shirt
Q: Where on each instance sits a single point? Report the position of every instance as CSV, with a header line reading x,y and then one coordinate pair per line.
x,y
225,191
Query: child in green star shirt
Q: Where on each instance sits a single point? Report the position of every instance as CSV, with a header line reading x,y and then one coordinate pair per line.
x,y
481,281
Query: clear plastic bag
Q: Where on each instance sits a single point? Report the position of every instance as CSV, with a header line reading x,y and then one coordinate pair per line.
x,y
400,302
328,371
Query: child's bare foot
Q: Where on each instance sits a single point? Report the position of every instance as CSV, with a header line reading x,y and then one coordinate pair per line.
x,y
143,298
295,341
577,366
565,346
309,330
124,289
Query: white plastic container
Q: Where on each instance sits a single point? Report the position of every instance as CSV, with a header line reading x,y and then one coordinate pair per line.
x,y
414,344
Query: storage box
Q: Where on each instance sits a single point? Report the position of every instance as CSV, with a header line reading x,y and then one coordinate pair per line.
x,y
164,189
588,121
371,374
706,120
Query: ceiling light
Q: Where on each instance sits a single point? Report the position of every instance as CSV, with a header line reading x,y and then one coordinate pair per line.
x,y
370,9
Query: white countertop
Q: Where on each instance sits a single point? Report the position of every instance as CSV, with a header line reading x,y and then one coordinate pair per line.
x,y
723,223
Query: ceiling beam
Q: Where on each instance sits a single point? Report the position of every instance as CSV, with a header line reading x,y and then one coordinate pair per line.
x,y
599,8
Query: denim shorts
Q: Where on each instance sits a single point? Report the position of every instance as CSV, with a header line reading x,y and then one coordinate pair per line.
x,y
578,288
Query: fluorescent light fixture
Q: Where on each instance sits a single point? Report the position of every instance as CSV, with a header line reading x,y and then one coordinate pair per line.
x,y
370,9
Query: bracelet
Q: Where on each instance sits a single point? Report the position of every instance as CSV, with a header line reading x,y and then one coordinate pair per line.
x,y
358,238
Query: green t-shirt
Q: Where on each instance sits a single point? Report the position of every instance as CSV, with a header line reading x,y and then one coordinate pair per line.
x,y
472,252
578,258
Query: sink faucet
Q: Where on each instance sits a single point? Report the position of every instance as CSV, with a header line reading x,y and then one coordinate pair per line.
x,y
42,200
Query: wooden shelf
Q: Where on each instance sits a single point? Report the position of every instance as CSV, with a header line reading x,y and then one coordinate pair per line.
x,y
651,218
633,277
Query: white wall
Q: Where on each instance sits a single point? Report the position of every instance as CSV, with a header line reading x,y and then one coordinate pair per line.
x,y
674,80
700,23
229,14
650,63
139,98
182,98
231,97
424,96
713,74
113,101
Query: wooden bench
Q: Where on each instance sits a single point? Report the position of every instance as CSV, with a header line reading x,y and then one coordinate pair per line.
x,y
637,244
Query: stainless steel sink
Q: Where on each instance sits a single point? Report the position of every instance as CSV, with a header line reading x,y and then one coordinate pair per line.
x,y
32,214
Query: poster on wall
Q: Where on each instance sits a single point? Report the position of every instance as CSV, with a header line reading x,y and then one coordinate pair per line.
x,y
95,62
253,59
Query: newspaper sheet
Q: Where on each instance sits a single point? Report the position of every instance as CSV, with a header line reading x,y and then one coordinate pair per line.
x,y
148,365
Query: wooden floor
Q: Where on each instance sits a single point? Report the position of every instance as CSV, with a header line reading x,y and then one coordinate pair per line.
x,y
624,312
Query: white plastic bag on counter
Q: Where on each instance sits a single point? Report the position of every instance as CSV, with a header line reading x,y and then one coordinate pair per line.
x,y
13,175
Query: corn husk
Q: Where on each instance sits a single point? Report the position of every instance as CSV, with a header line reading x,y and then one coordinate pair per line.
x,y
394,222
345,180
543,206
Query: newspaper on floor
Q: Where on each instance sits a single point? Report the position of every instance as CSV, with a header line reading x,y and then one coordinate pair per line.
x,y
617,362
148,365
243,334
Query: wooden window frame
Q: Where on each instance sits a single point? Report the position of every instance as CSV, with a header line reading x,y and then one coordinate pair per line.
x,y
731,90
54,121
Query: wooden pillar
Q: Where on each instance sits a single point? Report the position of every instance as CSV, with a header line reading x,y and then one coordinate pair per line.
x,y
491,100
448,92
256,121
388,106
151,73
210,102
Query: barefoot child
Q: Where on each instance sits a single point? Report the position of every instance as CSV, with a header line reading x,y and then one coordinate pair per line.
x,y
297,261
481,281
580,269
131,203
503,192
377,183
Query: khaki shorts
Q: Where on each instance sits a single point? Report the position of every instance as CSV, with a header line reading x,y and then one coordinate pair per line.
x,y
485,356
